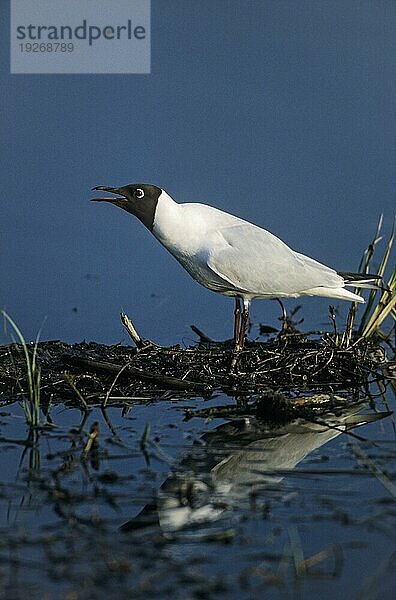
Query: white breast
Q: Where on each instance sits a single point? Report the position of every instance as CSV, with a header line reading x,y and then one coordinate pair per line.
x,y
189,232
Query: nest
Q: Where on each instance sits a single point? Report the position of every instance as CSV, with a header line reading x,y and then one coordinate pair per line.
x,y
285,376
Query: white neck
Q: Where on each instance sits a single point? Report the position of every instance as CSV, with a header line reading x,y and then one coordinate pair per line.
x,y
167,220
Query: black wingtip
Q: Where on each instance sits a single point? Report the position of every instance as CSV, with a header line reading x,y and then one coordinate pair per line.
x,y
362,277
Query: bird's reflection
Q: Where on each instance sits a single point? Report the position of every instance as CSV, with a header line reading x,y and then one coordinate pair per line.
x,y
235,460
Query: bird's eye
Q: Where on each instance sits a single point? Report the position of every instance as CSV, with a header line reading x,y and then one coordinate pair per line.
x,y
139,193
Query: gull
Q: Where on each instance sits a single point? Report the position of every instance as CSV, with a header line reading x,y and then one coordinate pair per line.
x,y
231,256
205,486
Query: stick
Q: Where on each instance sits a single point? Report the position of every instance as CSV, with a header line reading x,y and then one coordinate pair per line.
x,y
69,379
202,336
126,321
164,380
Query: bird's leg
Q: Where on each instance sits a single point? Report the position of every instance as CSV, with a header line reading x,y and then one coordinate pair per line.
x,y
245,318
237,321
240,330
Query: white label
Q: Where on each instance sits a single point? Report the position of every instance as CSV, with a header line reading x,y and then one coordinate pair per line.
x,y
80,36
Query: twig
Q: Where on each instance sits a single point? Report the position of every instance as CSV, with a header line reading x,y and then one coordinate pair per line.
x,y
332,312
93,438
215,412
163,380
108,422
202,336
112,385
129,326
70,381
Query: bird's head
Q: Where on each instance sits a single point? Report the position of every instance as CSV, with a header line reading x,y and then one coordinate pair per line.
x,y
140,199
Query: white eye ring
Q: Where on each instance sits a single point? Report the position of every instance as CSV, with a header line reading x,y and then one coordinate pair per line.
x,y
139,193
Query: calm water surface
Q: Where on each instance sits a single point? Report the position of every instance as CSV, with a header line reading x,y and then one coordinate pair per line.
x,y
198,509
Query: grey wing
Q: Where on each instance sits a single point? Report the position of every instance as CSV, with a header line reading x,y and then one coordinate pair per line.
x,y
255,261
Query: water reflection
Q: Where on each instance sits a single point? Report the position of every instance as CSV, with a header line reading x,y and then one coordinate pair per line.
x,y
238,460
269,491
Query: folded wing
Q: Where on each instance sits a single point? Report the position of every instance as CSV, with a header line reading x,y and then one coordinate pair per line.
x,y
254,261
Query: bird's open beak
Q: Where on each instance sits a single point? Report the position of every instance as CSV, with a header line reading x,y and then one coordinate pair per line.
x,y
109,198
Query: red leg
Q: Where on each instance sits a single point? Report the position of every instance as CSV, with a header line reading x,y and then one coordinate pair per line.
x,y
245,318
239,331
237,321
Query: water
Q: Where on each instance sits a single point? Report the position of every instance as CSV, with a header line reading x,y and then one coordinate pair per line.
x,y
200,509
281,113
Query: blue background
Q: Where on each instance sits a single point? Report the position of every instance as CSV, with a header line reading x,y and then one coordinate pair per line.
x,y
280,112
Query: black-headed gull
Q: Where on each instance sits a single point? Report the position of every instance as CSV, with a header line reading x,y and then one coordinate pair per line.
x,y
229,255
